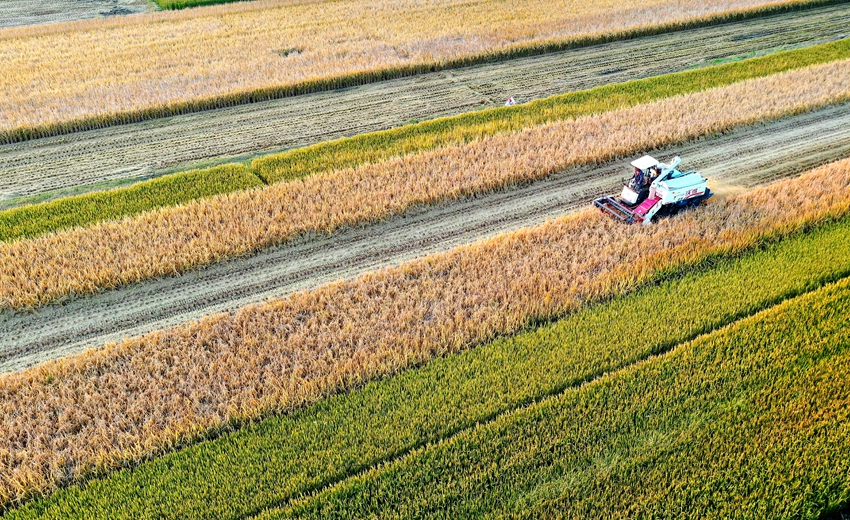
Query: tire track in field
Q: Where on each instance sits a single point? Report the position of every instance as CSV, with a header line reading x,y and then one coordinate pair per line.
x,y
745,157
56,165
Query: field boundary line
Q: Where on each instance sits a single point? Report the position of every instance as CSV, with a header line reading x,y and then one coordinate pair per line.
x,y
28,133
661,350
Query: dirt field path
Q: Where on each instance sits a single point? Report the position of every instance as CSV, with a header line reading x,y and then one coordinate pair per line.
x,y
17,13
744,158
145,149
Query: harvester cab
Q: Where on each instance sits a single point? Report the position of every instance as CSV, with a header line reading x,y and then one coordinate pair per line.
x,y
655,188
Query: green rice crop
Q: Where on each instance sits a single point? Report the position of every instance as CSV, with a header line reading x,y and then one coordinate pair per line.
x,y
750,421
80,210
183,4
277,460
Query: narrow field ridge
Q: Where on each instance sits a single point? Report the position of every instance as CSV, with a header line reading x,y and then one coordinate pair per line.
x,y
18,13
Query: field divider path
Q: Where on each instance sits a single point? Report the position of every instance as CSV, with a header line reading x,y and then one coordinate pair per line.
x,y
657,350
62,164
744,157
19,13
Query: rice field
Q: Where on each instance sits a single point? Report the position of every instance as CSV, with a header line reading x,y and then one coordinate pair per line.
x,y
280,459
498,352
173,240
73,418
93,74
764,152
56,166
750,421
34,220
170,190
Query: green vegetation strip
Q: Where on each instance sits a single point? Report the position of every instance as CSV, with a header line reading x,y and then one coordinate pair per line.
x,y
170,190
184,4
275,461
178,188
750,421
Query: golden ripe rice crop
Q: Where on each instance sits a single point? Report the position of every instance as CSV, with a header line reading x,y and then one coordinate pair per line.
x,y
138,67
95,411
172,240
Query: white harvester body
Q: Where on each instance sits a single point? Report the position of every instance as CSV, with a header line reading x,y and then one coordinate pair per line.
x,y
655,186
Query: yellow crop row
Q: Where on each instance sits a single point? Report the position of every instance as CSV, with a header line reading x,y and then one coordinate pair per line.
x,y
65,419
171,240
142,65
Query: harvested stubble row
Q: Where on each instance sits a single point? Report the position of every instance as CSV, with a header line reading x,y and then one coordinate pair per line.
x,y
280,459
748,422
34,272
68,419
37,219
161,65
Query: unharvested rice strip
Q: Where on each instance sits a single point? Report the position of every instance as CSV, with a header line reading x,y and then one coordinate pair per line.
x,y
747,422
94,77
68,419
172,240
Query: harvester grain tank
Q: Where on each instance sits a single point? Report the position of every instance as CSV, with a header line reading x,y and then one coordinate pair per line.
x,y
655,188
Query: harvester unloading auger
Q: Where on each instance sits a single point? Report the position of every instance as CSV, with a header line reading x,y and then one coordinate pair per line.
x,y
655,188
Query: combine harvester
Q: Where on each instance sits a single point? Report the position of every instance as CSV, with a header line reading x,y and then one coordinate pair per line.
x,y
655,188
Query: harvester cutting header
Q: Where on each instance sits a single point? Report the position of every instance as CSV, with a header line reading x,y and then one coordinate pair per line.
x,y
655,188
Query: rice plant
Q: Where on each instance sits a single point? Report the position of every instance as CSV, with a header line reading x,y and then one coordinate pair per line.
x,y
278,460
80,210
98,73
173,240
749,422
72,418
179,188
457,130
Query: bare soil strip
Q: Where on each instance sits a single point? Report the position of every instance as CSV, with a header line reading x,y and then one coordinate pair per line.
x,y
19,13
743,158
143,150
